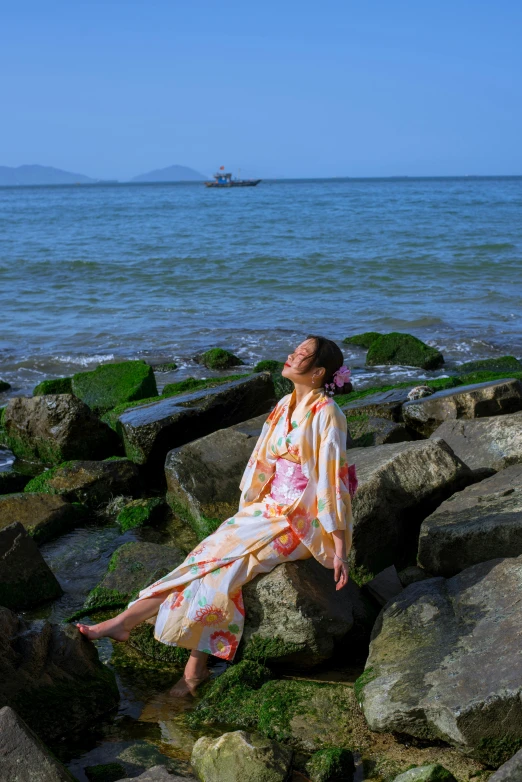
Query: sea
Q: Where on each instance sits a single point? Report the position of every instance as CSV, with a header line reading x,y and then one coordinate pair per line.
x,y
101,273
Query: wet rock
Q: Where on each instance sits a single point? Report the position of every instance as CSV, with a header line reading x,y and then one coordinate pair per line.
x,y
412,574
511,771
331,764
158,774
56,428
399,485
403,349
294,614
58,385
90,482
12,481
482,522
150,431
51,676
140,513
427,647
431,772
133,567
139,760
494,442
365,431
474,401
385,585
25,578
23,757
44,516
217,358
113,384
382,404
203,476
240,757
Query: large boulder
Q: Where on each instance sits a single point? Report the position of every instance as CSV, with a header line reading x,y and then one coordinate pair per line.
x,y
510,771
365,431
51,676
475,401
150,431
23,757
481,522
114,384
158,774
92,483
203,476
486,443
25,578
218,358
56,428
294,615
240,757
445,662
403,349
382,404
44,516
399,485
56,385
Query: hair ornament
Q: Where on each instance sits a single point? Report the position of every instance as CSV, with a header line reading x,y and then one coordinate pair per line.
x,y
340,378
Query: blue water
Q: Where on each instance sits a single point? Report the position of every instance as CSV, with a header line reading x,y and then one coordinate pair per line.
x,y
97,273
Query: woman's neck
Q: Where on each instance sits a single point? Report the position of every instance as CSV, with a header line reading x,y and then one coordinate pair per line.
x,y
301,391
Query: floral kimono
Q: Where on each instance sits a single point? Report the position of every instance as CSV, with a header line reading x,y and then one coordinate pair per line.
x,y
288,509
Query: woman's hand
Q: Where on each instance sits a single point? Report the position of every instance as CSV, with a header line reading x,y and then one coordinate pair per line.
x,y
341,570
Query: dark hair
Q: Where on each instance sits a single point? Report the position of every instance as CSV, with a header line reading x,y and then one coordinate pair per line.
x,y
328,355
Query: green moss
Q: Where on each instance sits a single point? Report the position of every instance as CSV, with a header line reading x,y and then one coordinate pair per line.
x,y
403,349
501,364
269,365
106,772
143,653
217,358
486,376
58,385
114,384
495,751
138,513
201,525
360,574
39,448
360,683
363,340
102,598
41,483
168,366
330,764
439,384
261,649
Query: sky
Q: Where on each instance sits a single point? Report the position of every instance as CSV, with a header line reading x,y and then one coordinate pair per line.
x,y
280,88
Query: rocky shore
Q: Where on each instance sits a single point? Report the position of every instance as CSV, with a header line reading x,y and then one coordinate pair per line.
x,y
412,672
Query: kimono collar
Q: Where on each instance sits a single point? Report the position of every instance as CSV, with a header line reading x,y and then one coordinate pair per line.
x,y
303,408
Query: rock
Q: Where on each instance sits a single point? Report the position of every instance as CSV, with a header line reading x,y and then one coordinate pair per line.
x,y
143,653
138,759
90,482
23,757
133,567
25,578
44,516
12,481
114,384
419,392
428,646
511,771
217,358
139,513
158,774
240,757
150,431
412,574
365,431
494,442
383,404
58,385
203,476
431,772
294,614
482,522
363,340
475,401
499,364
282,385
51,676
168,366
56,428
331,764
399,485
4,386
385,585
104,772
403,349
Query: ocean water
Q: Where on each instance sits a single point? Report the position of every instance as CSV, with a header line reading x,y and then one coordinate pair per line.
x,y
90,274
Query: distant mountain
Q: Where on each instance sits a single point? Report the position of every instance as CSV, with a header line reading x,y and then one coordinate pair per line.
x,y
40,175
171,174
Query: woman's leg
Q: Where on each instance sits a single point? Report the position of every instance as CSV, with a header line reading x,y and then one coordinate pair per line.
x,y
118,628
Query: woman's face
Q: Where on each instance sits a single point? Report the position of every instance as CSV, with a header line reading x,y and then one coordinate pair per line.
x,y
297,360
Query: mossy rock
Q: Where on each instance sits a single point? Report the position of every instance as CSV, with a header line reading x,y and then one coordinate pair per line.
x,y
269,365
431,772
331,764
139,513
143,653
218,358
58,385
484,376
363,340
360,683
201,525
105,772
501,364
168,366
114,384
403,349
44,517
282,385
438,384
4,386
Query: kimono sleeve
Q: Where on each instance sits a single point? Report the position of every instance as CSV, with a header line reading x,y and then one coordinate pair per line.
x,y
334,506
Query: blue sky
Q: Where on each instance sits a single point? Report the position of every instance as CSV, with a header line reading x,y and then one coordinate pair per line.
x,y
286,88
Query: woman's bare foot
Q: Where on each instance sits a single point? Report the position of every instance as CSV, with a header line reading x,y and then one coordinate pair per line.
x,y
112,628
187,685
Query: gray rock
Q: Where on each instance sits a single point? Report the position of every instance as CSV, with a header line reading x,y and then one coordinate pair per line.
x,y
385,585
158,774
399,485
368,431
51,676
431,772
383,404
412,574
23,757
294,614
138,759
494,442
150,431
55,428
475,401
511,771
203,476
44,516
240,757
25,578
445,662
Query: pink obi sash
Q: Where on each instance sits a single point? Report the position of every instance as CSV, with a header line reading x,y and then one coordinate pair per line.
x,y
288,482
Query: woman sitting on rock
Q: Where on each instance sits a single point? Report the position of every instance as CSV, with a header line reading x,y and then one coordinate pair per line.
x,y
295,504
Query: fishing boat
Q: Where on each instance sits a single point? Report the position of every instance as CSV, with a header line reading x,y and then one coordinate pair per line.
x,y
221,179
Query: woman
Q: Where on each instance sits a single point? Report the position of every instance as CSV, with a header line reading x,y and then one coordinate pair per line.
x,y
295,503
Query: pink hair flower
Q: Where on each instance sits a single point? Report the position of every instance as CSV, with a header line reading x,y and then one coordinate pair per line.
x,y
342,376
